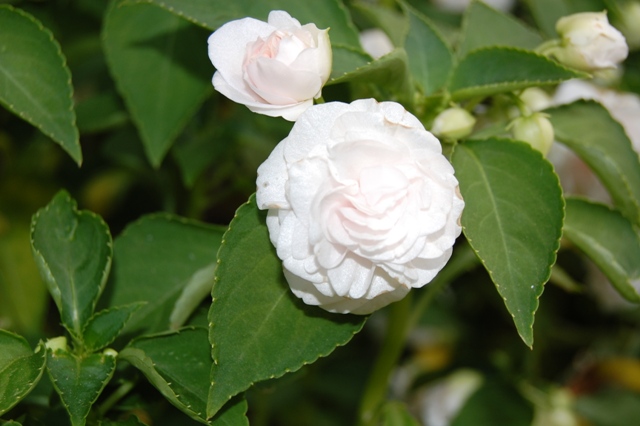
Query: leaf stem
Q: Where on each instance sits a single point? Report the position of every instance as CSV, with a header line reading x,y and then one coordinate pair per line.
x,y
116,396
403,316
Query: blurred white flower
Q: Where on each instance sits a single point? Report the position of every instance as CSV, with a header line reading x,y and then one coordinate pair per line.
x,y
442,401
275,68
458,6
362,205
589,42
375,42
453,123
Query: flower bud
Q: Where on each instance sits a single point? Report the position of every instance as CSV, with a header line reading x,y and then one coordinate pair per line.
x,y
589,42
535,129
453,123
375,42
535,99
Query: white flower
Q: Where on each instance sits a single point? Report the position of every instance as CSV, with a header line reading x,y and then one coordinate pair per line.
x,y
453,123
442,401
534,129
375,42
362,205
275,68
589,42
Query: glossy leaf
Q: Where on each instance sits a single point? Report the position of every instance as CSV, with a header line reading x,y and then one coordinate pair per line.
x,y
484,26
79,380
178,365
214,13
512,218
430,58
73,251
162,82
35,82
156,257
588,129
259,329
609,240
20,369
104,326
492,70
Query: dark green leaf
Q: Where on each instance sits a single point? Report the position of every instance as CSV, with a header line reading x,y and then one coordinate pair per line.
x,y
35,82
214,13
512,219
178,365
155,259
393,23
609,407
587,128
130,421
484,26
494,403
20,369
430,58
161,68
79,380
73,251
101,112
259,329
609,240
104,326
492,70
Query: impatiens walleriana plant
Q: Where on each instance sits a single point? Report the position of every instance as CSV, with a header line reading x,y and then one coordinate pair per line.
x,y
315,190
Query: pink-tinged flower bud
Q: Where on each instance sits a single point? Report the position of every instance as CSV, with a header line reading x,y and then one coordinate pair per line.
x,y
589,42
275,68
535,129
453,123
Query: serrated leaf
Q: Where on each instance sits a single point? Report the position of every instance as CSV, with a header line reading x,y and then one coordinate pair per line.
x,y
214,13
484,26
178,365
35,82
609,240
104,326
155,258
512,218
347,60
493,70
20,369
79,380
160,66
259,329
389,71
73,251
393,23
430,58
587,128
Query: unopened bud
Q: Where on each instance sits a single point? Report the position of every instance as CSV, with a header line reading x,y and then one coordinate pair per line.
x,y
535,129
453,123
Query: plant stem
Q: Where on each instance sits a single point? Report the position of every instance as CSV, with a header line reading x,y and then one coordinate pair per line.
x,y
403,316
116,396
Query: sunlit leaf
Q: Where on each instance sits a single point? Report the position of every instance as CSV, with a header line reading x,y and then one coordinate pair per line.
x,y
512,218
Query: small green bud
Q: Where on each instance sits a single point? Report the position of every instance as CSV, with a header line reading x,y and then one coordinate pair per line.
x,y
453,123
535,129
57,344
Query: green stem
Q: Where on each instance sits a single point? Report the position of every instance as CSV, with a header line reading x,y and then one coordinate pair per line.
x,y
116,396
403,316
320,100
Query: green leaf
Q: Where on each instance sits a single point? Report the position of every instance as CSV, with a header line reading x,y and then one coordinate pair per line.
x,y
492,70
259,330
512,218
609,240
347,60
393,23
79,380
609,406
588,129
430,58
104,326
195,291
484,26
547,12
495,403
156,257
73,252
389,71
396,413
132,420
101,112
178,365
35,82
214,13
20,369
160,66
